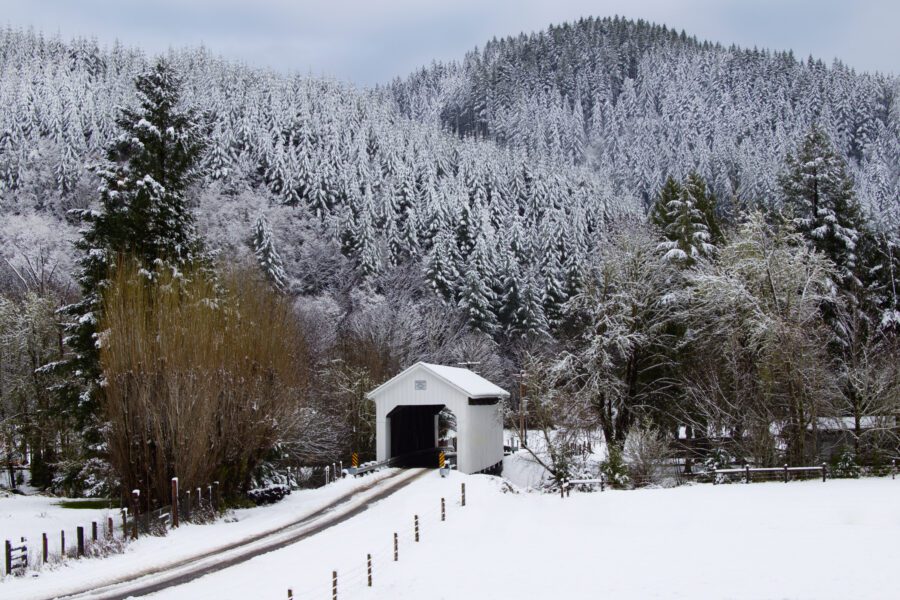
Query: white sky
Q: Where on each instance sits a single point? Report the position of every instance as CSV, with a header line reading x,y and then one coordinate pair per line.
x,y
372,41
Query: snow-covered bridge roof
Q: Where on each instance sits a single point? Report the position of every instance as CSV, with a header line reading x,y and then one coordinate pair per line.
x,y
469,383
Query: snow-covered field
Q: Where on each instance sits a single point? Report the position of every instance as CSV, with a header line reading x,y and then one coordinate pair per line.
x,y
767,540
30,516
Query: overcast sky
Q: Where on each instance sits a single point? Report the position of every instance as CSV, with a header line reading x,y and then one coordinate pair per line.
x,y
372,41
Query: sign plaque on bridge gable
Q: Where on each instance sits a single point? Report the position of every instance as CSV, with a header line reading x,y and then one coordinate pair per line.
x,y
421,385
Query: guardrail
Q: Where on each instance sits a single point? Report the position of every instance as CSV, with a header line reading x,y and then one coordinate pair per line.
x,y
372,466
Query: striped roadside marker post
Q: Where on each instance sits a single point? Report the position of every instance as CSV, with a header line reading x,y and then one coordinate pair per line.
x,y
442,463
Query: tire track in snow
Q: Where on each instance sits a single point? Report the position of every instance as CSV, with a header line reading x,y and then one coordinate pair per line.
x,y
160,578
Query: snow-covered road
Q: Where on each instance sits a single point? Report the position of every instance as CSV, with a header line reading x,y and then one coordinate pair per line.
x,y
156,563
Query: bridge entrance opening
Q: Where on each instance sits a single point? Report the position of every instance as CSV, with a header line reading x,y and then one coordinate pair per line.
x,y
414,435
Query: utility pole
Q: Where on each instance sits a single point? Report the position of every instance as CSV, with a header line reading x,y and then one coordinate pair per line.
x,y
468,364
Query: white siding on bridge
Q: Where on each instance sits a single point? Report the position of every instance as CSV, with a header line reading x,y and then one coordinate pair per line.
x,y
479,427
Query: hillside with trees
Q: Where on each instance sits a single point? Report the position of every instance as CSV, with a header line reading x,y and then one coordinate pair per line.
x,y
654,234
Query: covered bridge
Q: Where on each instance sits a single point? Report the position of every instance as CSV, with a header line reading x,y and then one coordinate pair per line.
x,y
407,408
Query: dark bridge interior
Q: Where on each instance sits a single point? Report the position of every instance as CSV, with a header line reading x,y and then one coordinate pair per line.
x,y
413,440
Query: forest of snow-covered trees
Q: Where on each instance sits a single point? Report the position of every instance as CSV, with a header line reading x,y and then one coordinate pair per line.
x,y
661,233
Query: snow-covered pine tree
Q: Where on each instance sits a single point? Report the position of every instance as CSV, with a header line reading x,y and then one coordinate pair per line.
x,y
682,222
266,255
705,201
440,266
819,190
477,299
529,320
476,302
510,298
659,213
143,210
551,279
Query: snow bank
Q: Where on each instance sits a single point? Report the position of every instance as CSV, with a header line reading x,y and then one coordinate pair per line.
x,y
521,470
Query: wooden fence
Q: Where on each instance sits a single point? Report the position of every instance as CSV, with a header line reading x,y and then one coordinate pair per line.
x,y
198,505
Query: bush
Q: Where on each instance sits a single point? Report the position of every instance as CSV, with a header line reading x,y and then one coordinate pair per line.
x,y
92,478
844,466
646,452
716,459
270,494
614,469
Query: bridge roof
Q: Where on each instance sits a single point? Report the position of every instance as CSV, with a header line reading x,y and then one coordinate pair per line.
x,y
468,382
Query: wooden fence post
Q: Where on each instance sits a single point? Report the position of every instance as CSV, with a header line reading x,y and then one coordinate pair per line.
x,y
8,557
443,510
124,514
894,468
135,512
109,527
218,500
824,471
463,494
334,585
93,531
290,594
44,552
62,543
416,520
785,473
369,563
174,503
396,548
79,536
747,472
187,505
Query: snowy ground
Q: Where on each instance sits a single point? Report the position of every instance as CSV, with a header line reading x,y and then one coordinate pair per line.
x,y
189,540
767,540
30,516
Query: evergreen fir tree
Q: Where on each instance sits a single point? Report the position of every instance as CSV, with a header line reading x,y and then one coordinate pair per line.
x,y
477,299
705,201
659,213
266,254
476,302
529,320
818,188
143,210
440,267
511,295
679,213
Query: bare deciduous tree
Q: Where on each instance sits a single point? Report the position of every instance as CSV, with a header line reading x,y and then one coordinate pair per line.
x,y
201,377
